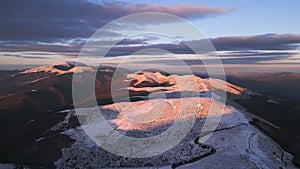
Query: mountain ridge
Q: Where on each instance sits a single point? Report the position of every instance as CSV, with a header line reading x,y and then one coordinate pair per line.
x,y
143,94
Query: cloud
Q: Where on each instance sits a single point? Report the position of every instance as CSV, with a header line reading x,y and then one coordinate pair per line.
x,y
52,21
235,44
257,42
243,46
41,48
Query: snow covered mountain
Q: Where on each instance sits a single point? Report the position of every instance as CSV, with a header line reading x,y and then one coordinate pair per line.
x,y
41,128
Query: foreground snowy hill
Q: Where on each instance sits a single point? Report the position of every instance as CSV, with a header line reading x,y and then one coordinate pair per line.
x,y
156,102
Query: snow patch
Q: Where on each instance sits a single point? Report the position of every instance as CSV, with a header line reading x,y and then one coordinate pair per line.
x,y
273,101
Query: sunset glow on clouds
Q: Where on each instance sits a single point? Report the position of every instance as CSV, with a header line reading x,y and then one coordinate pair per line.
x,y
39,32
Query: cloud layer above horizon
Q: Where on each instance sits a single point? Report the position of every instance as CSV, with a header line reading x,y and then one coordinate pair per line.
x,y
47,28
52,21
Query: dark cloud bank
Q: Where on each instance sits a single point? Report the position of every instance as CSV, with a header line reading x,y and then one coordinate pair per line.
x,y
63,26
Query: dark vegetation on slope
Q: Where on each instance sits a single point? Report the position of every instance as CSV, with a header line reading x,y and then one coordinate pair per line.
x,y
283,85
285,115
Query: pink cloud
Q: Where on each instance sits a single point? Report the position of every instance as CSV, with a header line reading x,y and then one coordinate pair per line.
x,y
184,10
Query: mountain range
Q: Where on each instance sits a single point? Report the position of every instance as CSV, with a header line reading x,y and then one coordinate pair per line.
x,y
41,129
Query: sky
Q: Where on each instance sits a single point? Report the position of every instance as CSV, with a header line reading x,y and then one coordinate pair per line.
x,y
251,18
252,35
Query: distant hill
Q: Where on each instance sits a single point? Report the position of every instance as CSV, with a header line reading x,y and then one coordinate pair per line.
x,y
284,85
